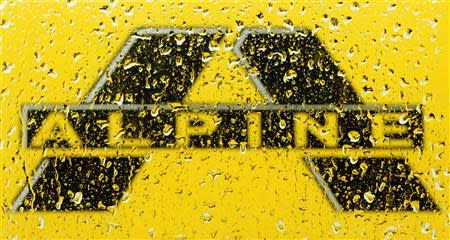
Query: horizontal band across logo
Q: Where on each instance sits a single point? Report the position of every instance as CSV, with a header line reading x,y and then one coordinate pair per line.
x,y
272,126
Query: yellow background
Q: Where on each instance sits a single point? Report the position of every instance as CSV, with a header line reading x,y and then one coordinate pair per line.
x,y
54,53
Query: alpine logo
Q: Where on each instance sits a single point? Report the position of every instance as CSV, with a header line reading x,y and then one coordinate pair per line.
x,y
137,103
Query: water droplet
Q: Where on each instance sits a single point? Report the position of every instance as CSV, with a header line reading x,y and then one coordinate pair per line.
x,y
168,129
40,222
77,198
426,227
408,33
125,197
334,24
354,136
353,160
311,64
232,143
215,173
282,124
390,232
355,6
243,147
179,39
280,225
151,232
206,217
337,226
206,57
178,60
7,67
289,75
415,205
155,111
369,197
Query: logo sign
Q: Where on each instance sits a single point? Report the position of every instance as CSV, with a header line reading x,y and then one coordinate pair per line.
x,y
225,120
310,104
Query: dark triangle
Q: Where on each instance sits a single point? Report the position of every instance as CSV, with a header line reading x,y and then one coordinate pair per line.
x,y
100,182
158,69
295,68
388,183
